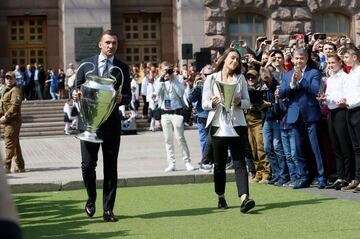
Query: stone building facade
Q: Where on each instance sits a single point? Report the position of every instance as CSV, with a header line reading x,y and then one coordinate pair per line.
x,y
282,17
57,32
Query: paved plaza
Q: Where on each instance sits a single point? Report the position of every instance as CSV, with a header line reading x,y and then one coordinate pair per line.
x,y
53,163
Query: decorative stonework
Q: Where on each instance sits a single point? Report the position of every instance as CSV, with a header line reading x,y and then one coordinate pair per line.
x,y
302,14
285,16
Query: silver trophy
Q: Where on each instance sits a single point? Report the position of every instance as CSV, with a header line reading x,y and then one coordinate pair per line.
x,y
97,101
227,91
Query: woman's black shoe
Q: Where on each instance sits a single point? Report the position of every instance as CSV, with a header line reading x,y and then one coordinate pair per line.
x,y
222,203
246,205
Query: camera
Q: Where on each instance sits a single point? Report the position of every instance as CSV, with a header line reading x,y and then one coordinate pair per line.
x,y
320,36
268,42
261,39
169,71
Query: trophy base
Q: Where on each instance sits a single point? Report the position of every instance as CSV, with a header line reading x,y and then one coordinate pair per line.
x,y
90,137
227,132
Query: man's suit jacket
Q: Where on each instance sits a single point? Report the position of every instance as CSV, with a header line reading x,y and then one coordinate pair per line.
x,y
29,79
115,117
302,98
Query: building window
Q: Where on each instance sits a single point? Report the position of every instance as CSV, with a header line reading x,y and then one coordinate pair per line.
x,y
332,24
248,27
142,38
27,40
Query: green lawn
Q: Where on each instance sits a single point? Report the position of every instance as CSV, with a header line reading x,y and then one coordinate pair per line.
x,y
189,211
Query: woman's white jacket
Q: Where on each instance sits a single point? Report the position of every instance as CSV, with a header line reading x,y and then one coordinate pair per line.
x,y
211,90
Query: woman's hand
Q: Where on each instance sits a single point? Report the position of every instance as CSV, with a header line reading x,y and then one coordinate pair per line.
x,y
215,101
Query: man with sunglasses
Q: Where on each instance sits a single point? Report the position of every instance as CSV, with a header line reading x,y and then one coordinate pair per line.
x,y
255,130
10,117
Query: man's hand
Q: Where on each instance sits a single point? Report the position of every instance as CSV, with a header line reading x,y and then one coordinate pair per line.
x,y
118,97
341,103
296,76
321,97
265,104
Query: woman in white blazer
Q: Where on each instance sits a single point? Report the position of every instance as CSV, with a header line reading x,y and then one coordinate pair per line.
x,y
228,70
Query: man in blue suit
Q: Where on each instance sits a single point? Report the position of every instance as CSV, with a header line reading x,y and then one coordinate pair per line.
x,y
109,131
301,87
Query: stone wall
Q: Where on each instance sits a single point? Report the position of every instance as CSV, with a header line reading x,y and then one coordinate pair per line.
x,y
285,17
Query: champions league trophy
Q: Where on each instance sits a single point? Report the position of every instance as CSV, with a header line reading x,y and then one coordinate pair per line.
x,y
97,101
227,91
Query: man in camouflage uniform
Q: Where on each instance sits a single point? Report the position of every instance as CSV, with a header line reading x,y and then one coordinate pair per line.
x,y
10,113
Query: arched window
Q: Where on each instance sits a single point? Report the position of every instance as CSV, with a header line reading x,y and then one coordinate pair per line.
x,y
247,26
332,24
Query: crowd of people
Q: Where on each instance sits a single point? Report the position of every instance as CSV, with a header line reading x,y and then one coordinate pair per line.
x,y
38,84
293,118
302,121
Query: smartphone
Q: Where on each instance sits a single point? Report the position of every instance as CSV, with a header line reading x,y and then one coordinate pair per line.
x,y
268,42
261,39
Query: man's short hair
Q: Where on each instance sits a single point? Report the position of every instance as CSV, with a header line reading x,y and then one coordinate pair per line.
x,y
108,32
301,51
352,50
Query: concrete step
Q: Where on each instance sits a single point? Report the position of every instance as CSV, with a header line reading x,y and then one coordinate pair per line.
x,y
46,118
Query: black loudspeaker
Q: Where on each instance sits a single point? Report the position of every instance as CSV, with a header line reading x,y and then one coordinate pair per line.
x,y
187,51
202,59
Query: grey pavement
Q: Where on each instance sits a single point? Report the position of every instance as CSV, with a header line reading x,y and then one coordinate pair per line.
x,y
53,163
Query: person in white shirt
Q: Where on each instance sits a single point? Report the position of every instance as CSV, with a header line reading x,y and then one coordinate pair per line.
x,y
228,70
352,102
134,96
337,124
170,93
144,86
152,99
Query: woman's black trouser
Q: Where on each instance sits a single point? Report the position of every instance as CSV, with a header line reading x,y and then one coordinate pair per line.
x,y
237,147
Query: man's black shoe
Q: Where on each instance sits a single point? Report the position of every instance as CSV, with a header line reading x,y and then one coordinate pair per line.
x,y
110,217
222,203
301,184
90,209
246,205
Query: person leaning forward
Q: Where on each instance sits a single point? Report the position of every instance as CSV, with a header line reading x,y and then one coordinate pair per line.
x,y
109,131
10,112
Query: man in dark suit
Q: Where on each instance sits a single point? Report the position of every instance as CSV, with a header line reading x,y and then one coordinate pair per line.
x,y
29,83
109,131
301,87
39,79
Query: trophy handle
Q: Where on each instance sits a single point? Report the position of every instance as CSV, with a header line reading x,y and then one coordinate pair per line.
x,y
89,72
114,77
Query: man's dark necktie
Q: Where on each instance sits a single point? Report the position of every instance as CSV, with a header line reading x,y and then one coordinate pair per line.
x,y
106,69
